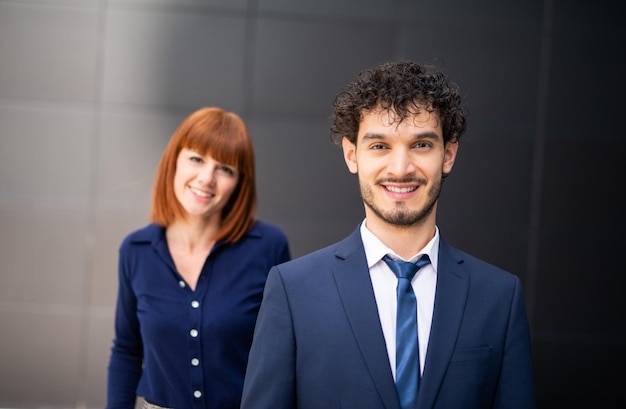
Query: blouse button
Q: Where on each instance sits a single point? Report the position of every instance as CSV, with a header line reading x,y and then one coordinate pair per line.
x,y
193,333
197,394
195,304
195,362
181,283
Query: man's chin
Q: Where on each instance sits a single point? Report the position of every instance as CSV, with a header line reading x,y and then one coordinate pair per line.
x,y
401,219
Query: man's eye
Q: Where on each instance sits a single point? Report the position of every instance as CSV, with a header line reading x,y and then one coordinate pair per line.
x,y
378,146
422,145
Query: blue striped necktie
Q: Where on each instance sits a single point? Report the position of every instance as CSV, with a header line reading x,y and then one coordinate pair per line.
x,y
407,353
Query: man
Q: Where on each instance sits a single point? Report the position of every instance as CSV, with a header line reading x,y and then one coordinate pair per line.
x,y
326,333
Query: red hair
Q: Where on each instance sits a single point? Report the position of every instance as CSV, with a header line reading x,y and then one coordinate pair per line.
x,y
223,136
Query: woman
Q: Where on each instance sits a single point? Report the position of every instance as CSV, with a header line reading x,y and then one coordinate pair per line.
x,y
191,282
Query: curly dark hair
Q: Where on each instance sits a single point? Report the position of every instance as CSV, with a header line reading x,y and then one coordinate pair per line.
x,y
402,87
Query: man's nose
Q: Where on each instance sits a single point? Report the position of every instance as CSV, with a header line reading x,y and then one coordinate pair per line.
x,y
401,163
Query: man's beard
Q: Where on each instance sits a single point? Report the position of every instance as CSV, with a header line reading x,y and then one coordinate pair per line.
x,y
401,215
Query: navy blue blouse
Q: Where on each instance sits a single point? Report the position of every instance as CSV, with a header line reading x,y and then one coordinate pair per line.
x,y
180,348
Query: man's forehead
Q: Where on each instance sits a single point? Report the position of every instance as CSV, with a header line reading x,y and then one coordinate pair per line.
x,y
423,118
419,112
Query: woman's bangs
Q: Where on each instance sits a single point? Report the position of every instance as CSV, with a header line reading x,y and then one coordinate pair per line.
x,y
222,146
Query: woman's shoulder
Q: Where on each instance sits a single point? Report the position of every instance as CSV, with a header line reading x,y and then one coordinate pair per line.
x,y
267,230
144,235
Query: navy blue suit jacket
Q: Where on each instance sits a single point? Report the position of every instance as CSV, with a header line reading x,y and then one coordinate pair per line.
x,y
318,341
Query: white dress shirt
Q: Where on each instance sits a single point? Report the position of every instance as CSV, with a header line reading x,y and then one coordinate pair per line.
x,y
385,282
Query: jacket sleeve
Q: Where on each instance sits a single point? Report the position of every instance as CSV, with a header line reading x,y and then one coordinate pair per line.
x,y
270,376
515,386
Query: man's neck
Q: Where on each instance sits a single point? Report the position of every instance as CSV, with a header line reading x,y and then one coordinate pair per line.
x,y
405,241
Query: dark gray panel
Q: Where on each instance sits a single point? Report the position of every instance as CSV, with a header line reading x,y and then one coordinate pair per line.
x,y
39,356
129,152
198,4
377,10
48,52
303,182
43,256
301,65
174,59
99,340
581,273
47,157
570,371
580,278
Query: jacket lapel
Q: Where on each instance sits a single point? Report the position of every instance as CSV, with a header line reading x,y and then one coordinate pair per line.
x,y
452,289
355,289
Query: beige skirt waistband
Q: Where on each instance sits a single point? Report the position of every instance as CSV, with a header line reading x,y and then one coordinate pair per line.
x,y
148,405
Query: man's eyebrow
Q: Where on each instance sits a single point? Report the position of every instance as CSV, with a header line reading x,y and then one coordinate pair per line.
x,y
372,135
427,135
419,135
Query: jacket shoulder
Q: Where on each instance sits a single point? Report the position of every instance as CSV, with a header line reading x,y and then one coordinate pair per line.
x,y
324,259
476,267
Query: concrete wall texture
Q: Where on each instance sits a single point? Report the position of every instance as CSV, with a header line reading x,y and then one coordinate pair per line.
x,y
91,90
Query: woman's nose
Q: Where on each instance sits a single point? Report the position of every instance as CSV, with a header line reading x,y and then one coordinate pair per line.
x,y
207,174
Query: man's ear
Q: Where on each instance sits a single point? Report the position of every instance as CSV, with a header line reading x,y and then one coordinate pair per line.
x,y
349,154
449,156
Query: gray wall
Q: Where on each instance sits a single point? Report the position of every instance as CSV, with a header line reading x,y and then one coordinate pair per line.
x,y
90,92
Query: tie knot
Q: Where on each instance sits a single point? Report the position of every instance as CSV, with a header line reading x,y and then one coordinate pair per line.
x,y
403,269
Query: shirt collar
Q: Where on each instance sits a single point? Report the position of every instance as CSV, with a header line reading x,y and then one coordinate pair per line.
x,y
153,233
375,250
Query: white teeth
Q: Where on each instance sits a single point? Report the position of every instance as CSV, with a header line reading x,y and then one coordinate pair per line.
x,y
200,193
400,189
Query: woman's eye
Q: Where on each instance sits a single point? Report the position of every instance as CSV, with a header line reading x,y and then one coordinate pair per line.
x,y
196,159
227,170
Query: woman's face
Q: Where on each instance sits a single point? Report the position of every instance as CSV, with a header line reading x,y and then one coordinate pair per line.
x,y
202,185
